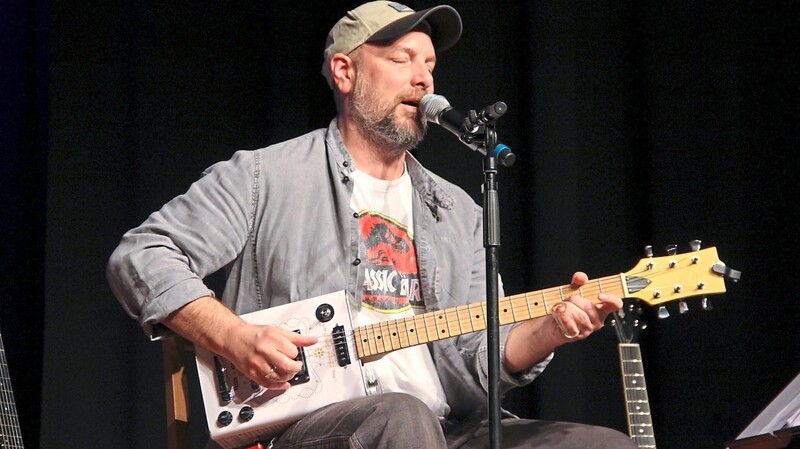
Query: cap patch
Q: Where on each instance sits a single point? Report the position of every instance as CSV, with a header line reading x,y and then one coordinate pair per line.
x,y
399,7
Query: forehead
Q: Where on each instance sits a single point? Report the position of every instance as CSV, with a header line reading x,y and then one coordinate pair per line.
x,y
416,42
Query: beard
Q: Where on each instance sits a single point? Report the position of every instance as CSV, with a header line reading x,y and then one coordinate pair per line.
x,y
379,123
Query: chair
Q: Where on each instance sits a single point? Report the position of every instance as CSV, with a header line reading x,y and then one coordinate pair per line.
x,y
175,351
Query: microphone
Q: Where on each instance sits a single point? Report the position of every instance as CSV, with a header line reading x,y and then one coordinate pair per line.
x,y
438,110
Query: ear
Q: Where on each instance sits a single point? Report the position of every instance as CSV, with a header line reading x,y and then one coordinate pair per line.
x,y
343,72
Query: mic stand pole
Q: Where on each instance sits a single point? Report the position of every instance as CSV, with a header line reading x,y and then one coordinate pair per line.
x,y
491,242
480,127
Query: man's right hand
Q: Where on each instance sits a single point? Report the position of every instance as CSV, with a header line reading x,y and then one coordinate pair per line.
x,y
265,354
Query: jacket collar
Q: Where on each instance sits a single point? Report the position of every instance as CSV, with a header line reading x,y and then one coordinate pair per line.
x,y
424,182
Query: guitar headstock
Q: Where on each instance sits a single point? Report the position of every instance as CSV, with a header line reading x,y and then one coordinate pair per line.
x,y
658,280
629,321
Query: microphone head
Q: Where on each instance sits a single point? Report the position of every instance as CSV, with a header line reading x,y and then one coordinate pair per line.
x,y
432,106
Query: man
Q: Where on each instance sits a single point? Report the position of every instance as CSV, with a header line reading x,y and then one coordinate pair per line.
x,y
348,209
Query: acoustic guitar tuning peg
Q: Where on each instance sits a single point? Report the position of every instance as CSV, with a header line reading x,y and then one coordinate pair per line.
x,y
695,245
672,249
683,307
648,250
706,303
663,312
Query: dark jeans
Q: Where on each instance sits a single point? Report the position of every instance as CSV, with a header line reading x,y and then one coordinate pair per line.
x,y
400,421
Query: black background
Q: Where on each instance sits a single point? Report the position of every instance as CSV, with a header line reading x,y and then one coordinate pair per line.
x,y
634,123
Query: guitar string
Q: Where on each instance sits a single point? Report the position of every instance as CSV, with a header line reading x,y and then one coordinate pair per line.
x,y
9,424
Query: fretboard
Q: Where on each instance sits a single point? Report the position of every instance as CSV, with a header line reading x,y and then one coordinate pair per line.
x,y
387,336
640,423
10,433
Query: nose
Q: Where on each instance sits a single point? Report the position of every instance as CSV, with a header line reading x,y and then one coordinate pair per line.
x,y
422,78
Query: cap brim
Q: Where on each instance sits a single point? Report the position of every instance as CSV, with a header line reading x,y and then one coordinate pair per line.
x,y
444,21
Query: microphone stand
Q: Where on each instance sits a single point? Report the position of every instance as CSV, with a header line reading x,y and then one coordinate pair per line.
x,y
479,126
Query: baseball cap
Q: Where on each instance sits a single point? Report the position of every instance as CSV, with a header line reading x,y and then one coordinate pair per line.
x,y
382,21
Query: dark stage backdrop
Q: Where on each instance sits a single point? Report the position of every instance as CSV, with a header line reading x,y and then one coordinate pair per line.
x,y
634,123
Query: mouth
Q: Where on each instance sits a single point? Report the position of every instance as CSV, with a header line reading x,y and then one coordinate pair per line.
x,y
413,102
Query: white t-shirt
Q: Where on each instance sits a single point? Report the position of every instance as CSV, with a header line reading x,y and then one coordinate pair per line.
x,y
391,284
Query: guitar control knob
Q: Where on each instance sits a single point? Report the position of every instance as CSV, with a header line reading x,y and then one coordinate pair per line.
x,y
225,418
246,413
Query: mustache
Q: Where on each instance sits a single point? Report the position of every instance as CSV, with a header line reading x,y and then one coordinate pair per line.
x,y
412,97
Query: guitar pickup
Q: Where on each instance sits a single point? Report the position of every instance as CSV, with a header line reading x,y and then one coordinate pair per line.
x,y
340,345
302,376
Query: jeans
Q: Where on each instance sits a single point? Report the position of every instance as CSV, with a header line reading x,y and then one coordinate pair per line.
x,y
400,421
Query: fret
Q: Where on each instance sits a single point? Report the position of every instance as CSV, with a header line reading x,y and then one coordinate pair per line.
x,y
359,342
520,308
377,334
440,321
402,334
430,326
464,321
544,301
419,329
453,322
369,341
505,314
638,408
397,337
478,316
411,331
385,336
422,331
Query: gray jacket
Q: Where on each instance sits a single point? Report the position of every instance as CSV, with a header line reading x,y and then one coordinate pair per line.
x,y
278,219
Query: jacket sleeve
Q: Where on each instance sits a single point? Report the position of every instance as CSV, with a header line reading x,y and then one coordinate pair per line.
x,y
473,348
159,266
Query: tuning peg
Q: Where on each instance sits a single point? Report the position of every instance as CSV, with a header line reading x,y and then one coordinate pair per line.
x,y
695,245
663,312
706,303
648,250
672,249
683,307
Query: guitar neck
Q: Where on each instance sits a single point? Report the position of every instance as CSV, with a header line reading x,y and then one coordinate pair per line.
x,y
380,338
640,423
10,432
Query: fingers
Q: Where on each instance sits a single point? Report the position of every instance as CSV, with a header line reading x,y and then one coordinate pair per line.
x,y
301,340
578,279
266,354
574,322
608,304
577,317
281,352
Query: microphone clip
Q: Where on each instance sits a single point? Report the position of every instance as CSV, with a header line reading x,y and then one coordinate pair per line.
x,y
478,128
475,122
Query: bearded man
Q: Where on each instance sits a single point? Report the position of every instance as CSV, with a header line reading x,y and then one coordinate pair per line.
x,y
290,228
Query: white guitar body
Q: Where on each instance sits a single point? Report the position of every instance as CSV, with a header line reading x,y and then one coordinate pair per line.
x,y
257,414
